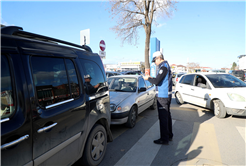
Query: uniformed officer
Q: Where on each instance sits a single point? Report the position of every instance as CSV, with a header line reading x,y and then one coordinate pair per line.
x,y
163,81
90,88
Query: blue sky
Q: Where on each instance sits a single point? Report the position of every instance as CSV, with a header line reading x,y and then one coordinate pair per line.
x,y
209,33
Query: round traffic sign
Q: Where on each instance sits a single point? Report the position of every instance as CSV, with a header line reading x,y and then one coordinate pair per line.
x,y
102,45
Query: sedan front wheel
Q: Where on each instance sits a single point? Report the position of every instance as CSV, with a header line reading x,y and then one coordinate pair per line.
x,y
132,117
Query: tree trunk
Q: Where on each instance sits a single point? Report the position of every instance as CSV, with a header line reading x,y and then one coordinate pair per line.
x,y
147,43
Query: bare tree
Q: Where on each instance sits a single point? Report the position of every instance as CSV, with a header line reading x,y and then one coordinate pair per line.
x,y
192,66
135,14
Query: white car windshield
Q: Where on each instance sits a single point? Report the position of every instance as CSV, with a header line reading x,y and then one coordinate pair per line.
x,y
225,81
122,84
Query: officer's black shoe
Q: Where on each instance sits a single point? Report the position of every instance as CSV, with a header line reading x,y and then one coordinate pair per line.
x,y
159,141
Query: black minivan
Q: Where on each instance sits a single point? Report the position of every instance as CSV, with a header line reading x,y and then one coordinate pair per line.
x,y
239,74
55,106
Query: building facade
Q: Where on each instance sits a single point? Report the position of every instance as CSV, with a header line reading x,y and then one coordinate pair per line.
x,y
242,62
124,66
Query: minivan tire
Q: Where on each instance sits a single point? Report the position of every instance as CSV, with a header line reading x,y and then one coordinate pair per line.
x,y
95,147
179,98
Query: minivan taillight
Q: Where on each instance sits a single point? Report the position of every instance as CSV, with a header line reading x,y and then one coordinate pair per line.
x,y
177,79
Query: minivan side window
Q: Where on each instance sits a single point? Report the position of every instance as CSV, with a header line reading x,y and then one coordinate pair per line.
x,y
7,100
74,83
51,81
188,80
94,78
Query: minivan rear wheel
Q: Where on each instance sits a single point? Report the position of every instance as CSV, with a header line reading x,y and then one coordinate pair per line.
x,y
95,147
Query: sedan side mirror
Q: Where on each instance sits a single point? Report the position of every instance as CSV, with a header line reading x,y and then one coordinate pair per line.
x,y
142,89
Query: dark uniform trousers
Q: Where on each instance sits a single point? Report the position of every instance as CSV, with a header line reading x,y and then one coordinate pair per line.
x,y
163,105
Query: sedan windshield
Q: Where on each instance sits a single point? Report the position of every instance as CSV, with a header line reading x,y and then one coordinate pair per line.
x,y
122,84
225,81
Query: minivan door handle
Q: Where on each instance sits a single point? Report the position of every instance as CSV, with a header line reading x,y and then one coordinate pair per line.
x,y
7,145
47,128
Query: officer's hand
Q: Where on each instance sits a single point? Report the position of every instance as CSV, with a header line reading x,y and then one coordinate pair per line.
x,y
96,86
146,77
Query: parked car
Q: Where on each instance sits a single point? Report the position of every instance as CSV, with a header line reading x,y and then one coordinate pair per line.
x,y
112,73
222,93
239,74
177,77
129,96
48,115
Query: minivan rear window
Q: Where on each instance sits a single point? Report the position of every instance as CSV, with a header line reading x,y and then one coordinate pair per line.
x,y
238,72
7,99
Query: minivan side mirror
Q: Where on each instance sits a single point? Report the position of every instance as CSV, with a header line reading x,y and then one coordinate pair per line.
x,y
142,89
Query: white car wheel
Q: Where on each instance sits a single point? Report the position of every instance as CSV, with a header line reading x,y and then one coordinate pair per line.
x,y
219,109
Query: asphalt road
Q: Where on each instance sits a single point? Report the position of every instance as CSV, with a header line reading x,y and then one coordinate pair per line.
x,y
199,139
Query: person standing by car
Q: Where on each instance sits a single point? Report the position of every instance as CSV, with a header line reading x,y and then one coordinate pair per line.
x,y
163,81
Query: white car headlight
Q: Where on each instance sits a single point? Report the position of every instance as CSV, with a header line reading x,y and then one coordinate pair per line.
x,y
236,97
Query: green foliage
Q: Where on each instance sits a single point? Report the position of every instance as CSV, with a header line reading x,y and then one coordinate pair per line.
x,y
234,65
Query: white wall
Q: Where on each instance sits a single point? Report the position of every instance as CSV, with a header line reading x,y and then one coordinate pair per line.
x,y
242,63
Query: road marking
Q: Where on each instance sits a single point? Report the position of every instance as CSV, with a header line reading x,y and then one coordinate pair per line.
x,y
118,130
144,151
204,144
242,131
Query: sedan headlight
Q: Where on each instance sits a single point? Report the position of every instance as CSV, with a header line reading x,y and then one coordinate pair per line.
x,y
112,107
236,97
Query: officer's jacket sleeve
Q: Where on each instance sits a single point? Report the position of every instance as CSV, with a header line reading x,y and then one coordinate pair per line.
x,y
160,76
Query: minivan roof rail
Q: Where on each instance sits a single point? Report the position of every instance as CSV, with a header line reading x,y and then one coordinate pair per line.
x,y
18,31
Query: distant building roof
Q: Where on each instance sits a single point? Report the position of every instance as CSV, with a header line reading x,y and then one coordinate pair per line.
x,y
240,56
206,67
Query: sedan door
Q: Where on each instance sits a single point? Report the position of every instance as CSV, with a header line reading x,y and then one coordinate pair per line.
x,y
151,90
143,96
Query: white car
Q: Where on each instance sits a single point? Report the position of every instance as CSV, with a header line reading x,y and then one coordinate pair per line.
x,y
223,93
177,77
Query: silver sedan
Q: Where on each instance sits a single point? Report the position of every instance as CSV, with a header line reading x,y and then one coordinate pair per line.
x,y
129,96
